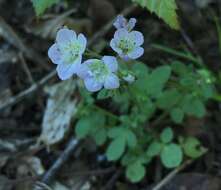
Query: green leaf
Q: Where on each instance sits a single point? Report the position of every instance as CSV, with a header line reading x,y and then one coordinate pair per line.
x,y
82,127
135,171
157,79
104,94
179,68
192,147
171,156
154,149
168,99
165,9
41,5
100,136
167,135
141,71
124,133
116,132
116,149
131,139
177,115
193,106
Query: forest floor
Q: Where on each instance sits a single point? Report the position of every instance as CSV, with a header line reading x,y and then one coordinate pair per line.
x,y
25,71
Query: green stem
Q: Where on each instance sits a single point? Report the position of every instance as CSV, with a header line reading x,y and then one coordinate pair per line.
x,y
105,112
184,55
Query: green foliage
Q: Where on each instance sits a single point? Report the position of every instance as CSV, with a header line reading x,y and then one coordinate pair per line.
x,y
154,149
165,9
122,137
157,79
41,5
171,155
177,115
135,171
167,135
123,123
192,147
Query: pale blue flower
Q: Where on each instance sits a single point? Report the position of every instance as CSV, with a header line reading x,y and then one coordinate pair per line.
x,y
100,73
122,22
127,44
67,52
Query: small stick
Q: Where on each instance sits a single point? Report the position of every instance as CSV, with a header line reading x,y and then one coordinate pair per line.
x,y
171,175
7,32
26,69
15,99
50,174
107,27
112,181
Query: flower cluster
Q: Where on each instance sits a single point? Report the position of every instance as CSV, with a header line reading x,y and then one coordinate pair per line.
x,y
68,49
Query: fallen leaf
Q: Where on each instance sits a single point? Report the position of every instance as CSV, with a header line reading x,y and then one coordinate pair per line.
x,y
59,111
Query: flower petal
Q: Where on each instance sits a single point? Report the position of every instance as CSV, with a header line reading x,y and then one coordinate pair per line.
x,y
112,82
137,37
54,54
65,35
83,41
131,24
120,22
113,45
83,71
120,34
66,70
136,53
92,85
111,63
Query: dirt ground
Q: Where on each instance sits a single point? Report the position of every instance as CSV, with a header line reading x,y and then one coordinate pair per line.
x,y
25,71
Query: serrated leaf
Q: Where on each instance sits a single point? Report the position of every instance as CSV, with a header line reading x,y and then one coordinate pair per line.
x,y
135,171
192,147
165,9
167,135
116,149
41,5
171,156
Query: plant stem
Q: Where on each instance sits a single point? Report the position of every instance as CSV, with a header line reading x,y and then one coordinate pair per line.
x,y
106,112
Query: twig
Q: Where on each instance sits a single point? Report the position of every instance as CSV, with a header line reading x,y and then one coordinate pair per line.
x,y
15,99
171,175
93,172
51,173
26,69
107,27
9,34
159,119
112,181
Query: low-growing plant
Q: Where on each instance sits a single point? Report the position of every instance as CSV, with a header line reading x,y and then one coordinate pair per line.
x,y
128,107
134,95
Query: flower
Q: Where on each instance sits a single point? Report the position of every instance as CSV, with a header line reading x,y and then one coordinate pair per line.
x,y
122,22
127,44
100,73
67,52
